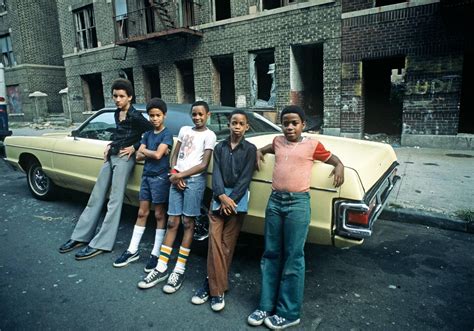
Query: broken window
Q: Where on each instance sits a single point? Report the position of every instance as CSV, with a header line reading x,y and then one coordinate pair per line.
x,y
86,36
93,92
223,80
8,59
379,3
262,79
185,81
272,4
187,13
222,8
121,18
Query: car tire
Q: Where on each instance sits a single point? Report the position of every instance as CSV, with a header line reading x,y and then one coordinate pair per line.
x,y
40,185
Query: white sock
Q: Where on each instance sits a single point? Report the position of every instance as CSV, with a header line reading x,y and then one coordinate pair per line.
x,y
159,235
136,237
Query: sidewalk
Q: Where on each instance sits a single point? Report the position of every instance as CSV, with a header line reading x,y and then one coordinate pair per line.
x,y
435,188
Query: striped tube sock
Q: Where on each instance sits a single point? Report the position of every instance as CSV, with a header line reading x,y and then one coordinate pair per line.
x,y
165,253
159,235
183,255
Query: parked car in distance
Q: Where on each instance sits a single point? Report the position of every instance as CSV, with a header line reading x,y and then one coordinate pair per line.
x,y
340,217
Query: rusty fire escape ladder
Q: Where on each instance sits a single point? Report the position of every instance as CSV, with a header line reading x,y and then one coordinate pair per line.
x,y
163,15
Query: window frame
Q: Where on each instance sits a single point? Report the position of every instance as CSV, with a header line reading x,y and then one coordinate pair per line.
x,y
85,29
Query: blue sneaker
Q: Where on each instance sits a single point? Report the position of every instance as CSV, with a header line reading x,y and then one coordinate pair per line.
x,y
152,262
276,322
126,258
217,303
201,295
257,317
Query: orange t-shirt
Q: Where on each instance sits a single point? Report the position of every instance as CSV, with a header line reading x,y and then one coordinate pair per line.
x,y
294,162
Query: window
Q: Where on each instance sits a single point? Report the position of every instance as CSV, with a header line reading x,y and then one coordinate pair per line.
x,y
379,3
3,6
272,4
92,90
100,127
222,8
86,36
8,59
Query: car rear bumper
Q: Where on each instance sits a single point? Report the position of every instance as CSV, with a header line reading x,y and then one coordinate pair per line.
x,y
371,207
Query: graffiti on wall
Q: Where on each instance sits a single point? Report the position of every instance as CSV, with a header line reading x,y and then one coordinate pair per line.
x,y
445,84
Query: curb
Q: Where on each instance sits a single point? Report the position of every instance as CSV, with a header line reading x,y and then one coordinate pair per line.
x,y
415,216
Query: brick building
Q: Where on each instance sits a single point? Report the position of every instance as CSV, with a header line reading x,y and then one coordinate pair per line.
x,y
258,54
360,67
405,70
31,55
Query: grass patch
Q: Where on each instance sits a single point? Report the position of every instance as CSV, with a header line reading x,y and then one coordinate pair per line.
x,y
466,215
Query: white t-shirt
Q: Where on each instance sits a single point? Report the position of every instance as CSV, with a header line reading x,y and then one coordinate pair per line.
x,y
193,145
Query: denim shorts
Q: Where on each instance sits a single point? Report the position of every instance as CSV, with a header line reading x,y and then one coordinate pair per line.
x,y
187,202
155,189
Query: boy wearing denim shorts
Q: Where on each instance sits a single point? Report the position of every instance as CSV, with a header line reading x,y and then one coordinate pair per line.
x,y
287,219
154,149
188,181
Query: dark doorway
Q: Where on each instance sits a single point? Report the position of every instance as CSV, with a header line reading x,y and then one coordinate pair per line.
x,y
466,112
151,75
185,82
306,82
383,95
222,9
93,92
223,77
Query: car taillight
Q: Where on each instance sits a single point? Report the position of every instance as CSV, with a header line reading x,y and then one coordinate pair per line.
x,y
358,218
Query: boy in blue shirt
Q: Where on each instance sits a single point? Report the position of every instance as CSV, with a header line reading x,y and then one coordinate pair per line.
x,y
154,149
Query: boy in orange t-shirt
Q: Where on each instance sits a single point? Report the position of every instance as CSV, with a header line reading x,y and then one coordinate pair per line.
x,y
287,219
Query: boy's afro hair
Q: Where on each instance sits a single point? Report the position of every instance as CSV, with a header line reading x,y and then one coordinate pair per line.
x,y
156,103
293,109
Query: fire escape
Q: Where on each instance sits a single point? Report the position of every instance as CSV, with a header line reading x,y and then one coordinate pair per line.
x,y
157,20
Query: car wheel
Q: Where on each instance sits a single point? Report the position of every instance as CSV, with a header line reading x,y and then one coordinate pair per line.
x,y
201,224
40,185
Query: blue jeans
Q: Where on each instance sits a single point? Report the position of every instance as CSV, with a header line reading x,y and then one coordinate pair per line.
x,y
287,219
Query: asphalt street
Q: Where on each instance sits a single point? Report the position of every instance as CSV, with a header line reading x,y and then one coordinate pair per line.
x,y
406,276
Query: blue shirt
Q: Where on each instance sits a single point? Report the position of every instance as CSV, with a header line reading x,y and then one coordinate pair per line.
x,y
152,140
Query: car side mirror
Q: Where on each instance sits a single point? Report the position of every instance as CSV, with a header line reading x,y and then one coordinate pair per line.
x,y
75,133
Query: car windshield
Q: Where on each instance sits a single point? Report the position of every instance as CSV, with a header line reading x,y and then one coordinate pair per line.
x,y
102,125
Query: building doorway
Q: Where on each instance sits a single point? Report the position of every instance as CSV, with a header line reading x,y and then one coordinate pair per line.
x,y
383,90
306,82
93,92
466,111
151,81
223,80
185,82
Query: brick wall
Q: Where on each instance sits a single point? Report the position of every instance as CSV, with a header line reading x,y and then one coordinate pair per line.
x,y
433,66
314,24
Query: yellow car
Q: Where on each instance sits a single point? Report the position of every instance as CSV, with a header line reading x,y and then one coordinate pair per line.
x,y
341,217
